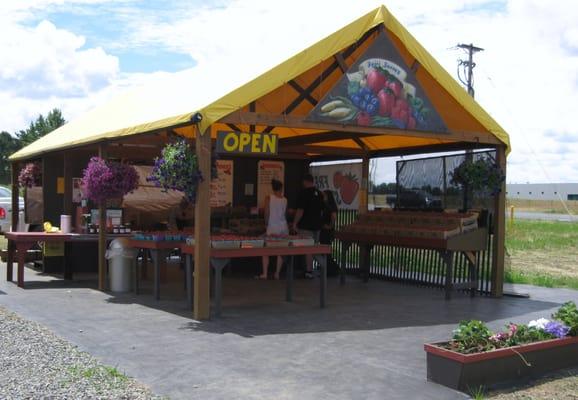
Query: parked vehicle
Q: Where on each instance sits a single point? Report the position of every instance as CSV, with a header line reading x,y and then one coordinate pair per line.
x,y
417,199
6,209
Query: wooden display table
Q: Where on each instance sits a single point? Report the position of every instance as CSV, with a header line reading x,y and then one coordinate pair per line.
x,y
20,242
159,251
468,243
221,257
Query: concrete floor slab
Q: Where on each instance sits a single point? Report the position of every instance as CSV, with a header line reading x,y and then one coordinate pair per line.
x,y
367,343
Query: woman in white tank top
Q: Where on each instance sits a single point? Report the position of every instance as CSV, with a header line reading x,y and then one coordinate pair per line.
x,y
275,209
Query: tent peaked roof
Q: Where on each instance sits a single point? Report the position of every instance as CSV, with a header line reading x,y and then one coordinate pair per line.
x,y
168,103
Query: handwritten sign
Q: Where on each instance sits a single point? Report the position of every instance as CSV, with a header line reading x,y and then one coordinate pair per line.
x,y
222,186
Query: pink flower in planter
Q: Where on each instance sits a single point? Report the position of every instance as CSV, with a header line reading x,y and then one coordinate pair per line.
x,y
512,329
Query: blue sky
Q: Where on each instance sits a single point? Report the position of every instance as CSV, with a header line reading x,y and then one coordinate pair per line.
x,y
76,54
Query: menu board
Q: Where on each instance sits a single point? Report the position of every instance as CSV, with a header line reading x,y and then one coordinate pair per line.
x,y
222,186
267,171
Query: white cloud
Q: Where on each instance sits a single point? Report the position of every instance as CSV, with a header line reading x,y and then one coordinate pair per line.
x,y
45,61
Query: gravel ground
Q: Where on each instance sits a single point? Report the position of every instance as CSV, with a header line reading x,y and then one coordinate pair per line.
x,y
562,385
36,364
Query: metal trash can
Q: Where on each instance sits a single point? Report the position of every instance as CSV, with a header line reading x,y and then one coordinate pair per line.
x,y
120,264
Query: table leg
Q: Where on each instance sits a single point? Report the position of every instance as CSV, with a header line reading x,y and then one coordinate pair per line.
x,y
364,257
67,273
448,257
322,260
10,260
144,272
218,265
189,279
135,271
344,249
156,256
21,249
473,275
289,279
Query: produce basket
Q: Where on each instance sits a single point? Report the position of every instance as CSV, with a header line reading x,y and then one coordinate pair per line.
x,y
225,244
302,242
277,242
252,243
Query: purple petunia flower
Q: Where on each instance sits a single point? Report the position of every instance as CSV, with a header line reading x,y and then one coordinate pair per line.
x,y
557,329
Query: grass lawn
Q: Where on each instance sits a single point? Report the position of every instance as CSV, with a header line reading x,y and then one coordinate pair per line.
x,y
542,253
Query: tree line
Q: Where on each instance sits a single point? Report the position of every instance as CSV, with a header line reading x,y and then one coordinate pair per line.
x,y
11,143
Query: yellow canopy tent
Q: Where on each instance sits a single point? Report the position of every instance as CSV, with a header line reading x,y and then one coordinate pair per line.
x,y
285,100
171,103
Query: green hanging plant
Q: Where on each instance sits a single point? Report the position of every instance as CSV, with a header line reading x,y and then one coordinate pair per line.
x,y
481,175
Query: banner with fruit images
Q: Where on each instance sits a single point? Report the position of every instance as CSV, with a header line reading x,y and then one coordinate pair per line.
x,y
379,90
344,181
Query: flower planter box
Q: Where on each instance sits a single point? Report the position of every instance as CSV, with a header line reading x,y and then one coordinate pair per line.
x,y
467,372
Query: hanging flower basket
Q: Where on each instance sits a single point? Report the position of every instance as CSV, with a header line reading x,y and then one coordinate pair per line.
x,y
481,175
177,169
30,175
104,180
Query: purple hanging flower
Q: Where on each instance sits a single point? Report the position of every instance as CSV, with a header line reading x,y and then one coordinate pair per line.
x,y
105,180
177,169
30,175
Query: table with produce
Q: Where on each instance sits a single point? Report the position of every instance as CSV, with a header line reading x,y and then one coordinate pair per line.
x,y
225,247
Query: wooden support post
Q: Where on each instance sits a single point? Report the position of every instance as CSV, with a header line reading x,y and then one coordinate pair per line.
x,y
364,251
202,306
102,233
15,202
364,191
499,242
67,199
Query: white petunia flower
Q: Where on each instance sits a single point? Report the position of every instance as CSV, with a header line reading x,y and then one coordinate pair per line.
x,y
539,323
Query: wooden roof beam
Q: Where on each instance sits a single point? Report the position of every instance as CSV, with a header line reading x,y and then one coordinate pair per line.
x,y
301,122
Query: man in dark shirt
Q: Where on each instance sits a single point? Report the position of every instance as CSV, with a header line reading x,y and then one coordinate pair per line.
x,y
308,216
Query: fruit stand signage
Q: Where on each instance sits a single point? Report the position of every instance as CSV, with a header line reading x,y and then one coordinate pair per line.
x,y
344,180
266,172
242,142
379,90
222,185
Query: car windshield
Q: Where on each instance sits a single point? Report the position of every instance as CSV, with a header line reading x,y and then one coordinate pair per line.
x,y
4,192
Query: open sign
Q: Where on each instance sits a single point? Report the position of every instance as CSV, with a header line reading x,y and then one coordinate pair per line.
x,y
242,142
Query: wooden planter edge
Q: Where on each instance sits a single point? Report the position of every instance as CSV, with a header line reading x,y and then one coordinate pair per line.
x,y
435,348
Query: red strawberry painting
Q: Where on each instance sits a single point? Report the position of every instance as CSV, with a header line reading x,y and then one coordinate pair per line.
x,y
348,186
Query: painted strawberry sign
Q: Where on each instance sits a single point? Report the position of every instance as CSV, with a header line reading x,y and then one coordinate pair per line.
x,y
343,180
379,90
347,185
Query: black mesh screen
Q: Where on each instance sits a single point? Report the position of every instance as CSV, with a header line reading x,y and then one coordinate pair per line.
x,y
425,184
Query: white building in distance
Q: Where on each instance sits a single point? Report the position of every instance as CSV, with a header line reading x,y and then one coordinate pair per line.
x,y
542,191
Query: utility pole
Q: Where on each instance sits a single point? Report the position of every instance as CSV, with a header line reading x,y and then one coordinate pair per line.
x,y
467,69
468,66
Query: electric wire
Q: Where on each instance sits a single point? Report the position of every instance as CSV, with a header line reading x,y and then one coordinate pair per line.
x,y
534,154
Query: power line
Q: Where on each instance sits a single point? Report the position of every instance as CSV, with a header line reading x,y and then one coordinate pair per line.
x,y
544,170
